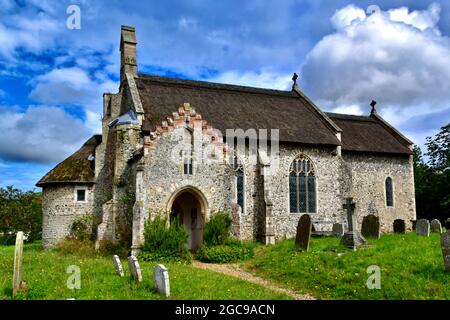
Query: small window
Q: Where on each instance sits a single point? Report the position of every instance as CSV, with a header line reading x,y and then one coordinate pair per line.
x,y
188,166
239,176
80,195
389,192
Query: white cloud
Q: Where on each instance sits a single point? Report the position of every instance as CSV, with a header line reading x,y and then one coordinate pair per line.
x,y
264,79
39,134
397,57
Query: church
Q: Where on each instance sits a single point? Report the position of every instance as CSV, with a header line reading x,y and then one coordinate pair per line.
x,y
190,149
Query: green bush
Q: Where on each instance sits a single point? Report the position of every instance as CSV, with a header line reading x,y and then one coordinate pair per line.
x,y
217,229
447,224
165,243
232,252
82,228
19,211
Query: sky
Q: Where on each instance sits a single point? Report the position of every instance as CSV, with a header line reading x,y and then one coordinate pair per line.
x,y
347,54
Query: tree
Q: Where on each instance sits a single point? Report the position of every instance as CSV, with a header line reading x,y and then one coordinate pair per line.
x,y
19,211
432,179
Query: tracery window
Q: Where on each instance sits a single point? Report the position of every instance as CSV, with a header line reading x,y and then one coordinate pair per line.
x,y
302,186
389,192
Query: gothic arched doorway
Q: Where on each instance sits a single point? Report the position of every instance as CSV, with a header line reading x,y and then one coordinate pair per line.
x,y
189,207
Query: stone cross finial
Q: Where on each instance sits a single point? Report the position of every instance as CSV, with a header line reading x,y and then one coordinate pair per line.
x,y
351,218
373,104
294,78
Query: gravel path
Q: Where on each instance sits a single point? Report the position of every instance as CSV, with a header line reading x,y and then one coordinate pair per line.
x,y
235,271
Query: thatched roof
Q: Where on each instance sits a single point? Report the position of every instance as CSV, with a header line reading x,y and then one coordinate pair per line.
x,y
77,168
226,106
368,134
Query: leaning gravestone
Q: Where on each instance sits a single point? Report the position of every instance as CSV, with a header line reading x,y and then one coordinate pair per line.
x,y
161,280
436,226
338,229
118,265
18,284
445,245
423,228
304,229
370,227
135,269
399,226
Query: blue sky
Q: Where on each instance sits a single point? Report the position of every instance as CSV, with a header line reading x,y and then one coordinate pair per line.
x,y
52,78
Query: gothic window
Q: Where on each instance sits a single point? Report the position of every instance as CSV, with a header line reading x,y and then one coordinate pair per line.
x,y
187,166
389,192
188,152
239,174
302,186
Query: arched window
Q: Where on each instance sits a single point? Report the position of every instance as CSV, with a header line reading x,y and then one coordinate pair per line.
x,y
239,174
389,192
302,186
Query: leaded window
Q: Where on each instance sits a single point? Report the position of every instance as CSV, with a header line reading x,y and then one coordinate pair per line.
x,y
302,186
239,174
389,192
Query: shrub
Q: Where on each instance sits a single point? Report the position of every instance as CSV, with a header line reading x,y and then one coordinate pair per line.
x,y
82,228
76,246
165,243
108,248
217,229
447,224
225,253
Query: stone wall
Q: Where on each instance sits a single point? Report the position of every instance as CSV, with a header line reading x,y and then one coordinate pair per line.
x,y
369,173
59,211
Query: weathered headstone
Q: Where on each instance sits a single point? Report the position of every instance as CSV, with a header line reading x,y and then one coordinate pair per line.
x,y
445,245
161,280
352,239
118,265
338,229
370,227
436,226
304,229
18,284
423,228
135,269
399,226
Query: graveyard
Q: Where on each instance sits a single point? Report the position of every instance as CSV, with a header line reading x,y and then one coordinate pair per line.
x,y
411,267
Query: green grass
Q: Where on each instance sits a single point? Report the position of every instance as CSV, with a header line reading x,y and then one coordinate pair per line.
x,y
46,278
412,267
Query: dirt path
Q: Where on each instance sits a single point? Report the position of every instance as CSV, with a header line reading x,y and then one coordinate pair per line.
x,y
235,271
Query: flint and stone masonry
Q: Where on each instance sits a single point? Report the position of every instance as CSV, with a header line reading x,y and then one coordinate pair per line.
x,y
163,145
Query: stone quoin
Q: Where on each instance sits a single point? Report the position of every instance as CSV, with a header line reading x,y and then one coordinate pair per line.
x,y
164,143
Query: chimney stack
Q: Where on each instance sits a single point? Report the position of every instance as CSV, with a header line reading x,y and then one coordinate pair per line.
x,y
128,43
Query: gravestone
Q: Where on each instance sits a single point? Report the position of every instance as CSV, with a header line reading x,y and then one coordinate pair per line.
x,y
352,239
435,226
161,280
445,245
338,229
423,228
304,229
399,226
370,227
118,265
135,269
18,284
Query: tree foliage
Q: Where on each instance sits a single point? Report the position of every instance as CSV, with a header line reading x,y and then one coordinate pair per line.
x,y
19,211
432,177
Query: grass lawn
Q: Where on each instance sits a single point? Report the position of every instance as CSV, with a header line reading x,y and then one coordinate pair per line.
x,y
46,278
412,267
